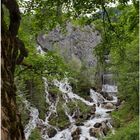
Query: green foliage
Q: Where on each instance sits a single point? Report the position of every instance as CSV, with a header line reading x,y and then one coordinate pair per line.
x,y
128,132
54,90
122,116
35,135
24,112
81,85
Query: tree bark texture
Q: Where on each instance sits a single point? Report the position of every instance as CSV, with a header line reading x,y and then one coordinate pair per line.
x,y
11,127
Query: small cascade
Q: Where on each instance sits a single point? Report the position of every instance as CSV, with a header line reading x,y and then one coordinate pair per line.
x,y
67,89
46,90
109,88
33,117
39,50
96,123
32,122
111,127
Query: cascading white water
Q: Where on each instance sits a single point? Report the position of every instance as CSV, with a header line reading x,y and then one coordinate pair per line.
x,y
109,88
33,117
100,116
32,123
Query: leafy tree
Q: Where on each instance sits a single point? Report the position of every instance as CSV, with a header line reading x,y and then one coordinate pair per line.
x,y
121,44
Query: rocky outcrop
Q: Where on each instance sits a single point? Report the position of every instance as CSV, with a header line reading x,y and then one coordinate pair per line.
x,y
99,129
77,43
109,106
97,125
94,132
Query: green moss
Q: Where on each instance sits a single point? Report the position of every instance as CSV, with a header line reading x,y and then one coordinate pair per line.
x,y
83,108
61,121
72,106
54,90
35,135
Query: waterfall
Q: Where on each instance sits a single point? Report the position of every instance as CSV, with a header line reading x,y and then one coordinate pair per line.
x,y
84,131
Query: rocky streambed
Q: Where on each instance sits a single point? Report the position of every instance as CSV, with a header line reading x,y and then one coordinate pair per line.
x,y
71,117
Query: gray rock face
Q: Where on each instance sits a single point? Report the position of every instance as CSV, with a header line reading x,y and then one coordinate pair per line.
x,y
77,43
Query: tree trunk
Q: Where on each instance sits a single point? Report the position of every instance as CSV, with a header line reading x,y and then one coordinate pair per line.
x,y
11,127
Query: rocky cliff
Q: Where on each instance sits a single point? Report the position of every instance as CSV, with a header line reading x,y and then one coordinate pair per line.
x,y
74,43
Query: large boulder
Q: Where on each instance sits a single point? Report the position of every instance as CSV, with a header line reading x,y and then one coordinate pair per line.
x,y
105,128
94,132
75,134
77,137
109,106
99,129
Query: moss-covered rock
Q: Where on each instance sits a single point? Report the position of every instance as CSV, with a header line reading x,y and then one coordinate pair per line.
x,y
80,109
60,120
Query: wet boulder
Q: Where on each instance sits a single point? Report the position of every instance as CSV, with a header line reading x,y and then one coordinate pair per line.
x,y
118,102
77,114
78,123
88,116
51,132
109,106
77,137
94,132
75,134
97,125
108,112
77,131
93,109
110,98
94,89
92,112
106,96
105,128
89,99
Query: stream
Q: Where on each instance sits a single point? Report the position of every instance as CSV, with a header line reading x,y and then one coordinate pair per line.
x,y
98,123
